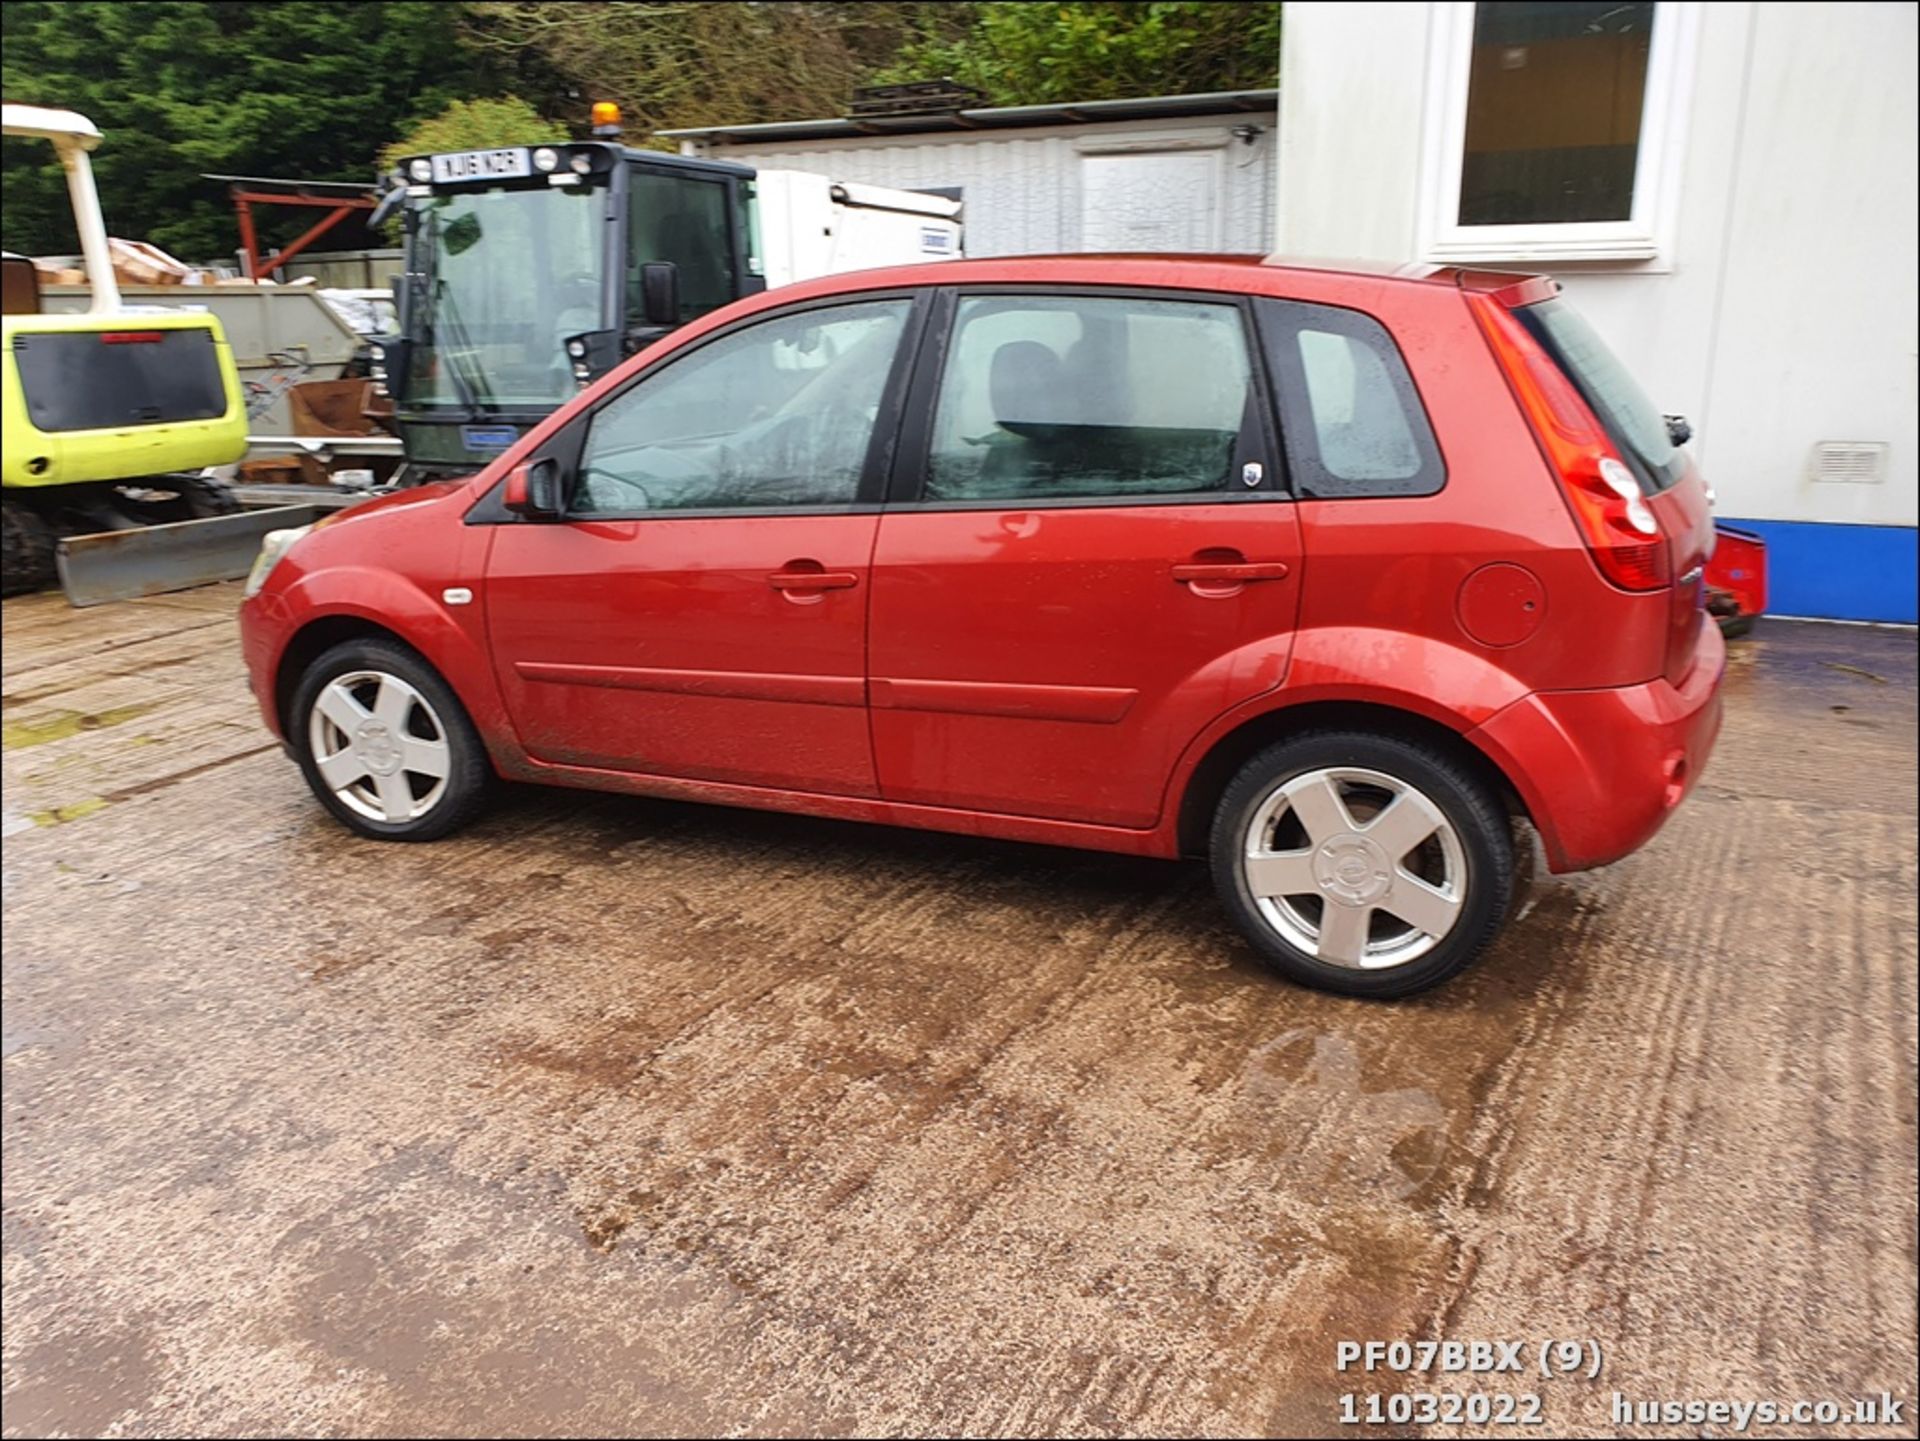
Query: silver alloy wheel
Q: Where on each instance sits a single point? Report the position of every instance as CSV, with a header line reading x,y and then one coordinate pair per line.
x,y
1355,867
379,746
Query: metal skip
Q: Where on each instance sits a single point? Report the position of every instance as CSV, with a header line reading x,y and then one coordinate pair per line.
x,y
152,559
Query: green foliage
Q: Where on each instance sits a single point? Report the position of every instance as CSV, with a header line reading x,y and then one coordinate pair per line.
x,y
1030,54
306,90
475,125
679,64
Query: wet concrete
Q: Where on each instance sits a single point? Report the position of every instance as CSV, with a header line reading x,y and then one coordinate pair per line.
x,y
621,1116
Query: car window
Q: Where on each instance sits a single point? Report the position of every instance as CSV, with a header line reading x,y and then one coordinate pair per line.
x,y
1633,422
777,414
1045,396
682,219
1354,423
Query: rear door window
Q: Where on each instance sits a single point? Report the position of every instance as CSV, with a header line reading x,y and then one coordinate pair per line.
x,y
1049,397
1353,421
103,380
1632,421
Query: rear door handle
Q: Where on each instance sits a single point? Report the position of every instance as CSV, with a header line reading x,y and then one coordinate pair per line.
x,y
813,579
1230,572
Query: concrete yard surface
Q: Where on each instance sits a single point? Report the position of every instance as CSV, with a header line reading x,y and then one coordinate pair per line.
x,y
617,1116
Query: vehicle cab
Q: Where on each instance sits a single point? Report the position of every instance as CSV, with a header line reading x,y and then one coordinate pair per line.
x,y
532,270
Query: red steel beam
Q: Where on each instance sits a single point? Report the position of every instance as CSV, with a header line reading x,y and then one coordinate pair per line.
x,y
249,242
245,200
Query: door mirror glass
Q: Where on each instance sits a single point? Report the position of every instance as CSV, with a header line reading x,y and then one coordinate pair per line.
x,y
533,490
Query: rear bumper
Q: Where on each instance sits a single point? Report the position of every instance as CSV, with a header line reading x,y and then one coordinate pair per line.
x,y
1600,770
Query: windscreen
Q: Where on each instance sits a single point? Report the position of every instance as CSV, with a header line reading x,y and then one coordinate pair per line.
x,y
503,277
1633,423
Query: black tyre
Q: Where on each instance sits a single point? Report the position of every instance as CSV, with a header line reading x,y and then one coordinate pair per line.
x,y
27,546
385,744
1363,864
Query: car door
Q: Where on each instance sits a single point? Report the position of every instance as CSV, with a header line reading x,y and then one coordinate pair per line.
x,y
1089,555
700,610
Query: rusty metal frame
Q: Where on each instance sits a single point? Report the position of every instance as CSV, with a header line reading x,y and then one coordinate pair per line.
x,y
245,194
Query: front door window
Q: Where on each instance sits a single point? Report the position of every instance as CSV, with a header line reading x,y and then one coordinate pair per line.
x,y
779,414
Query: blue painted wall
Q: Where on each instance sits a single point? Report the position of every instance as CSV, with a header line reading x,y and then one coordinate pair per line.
x,y
1839,572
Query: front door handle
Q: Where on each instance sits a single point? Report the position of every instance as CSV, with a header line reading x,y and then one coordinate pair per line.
x,y
795,578
1230,572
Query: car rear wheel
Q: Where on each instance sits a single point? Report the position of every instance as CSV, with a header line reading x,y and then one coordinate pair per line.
x,y
1363,864
385,744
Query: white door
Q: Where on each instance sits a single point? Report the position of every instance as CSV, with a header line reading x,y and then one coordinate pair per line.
x,y
1164,200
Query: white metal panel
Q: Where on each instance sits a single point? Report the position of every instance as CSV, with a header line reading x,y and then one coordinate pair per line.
x,y
1352,78
1167,200
1816,334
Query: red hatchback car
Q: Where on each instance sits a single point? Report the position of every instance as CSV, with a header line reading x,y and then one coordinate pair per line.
x,y
1327,574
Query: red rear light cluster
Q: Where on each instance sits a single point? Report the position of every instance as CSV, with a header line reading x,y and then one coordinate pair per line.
x,y
1614,518
131,337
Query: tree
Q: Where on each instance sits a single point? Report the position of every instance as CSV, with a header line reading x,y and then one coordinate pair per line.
x,y
309,90
1031,54
475,125
693,64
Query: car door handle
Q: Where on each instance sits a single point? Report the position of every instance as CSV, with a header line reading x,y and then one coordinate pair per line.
x,y
1230,572
813,579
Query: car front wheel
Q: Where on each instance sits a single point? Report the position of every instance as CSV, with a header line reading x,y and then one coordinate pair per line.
x,y
1363,864
385,744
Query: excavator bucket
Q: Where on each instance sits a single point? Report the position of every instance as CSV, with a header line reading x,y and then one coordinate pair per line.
x,y
152,559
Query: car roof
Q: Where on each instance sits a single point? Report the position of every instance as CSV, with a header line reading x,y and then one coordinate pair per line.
x,y
1253,274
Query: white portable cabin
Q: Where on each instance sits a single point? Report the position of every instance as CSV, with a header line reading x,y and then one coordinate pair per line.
x,y
811,226
1154,173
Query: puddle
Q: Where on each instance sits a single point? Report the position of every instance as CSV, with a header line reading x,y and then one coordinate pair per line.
x,y
58,725
1392,1139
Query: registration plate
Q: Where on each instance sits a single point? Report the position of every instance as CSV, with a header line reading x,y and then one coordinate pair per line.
x,y
488,437
481,165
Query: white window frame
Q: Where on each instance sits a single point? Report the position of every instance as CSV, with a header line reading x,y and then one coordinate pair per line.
x,y
1647,235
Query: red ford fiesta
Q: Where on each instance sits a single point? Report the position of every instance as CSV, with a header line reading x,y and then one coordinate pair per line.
x,y
1331,576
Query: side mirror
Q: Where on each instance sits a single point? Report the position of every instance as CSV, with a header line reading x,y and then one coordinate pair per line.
x,y
1678,429
388,357
389,203
533,490
660,293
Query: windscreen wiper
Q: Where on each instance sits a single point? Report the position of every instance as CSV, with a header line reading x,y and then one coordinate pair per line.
x,y
470,385
432,290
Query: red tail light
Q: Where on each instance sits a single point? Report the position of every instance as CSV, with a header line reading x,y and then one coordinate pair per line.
x,y
1615,520
131,337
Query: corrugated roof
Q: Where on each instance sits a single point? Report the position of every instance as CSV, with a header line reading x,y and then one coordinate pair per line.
x,y
1003,117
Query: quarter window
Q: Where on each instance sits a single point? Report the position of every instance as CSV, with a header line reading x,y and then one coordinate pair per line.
x,y
778,414
1353,421
1050,397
